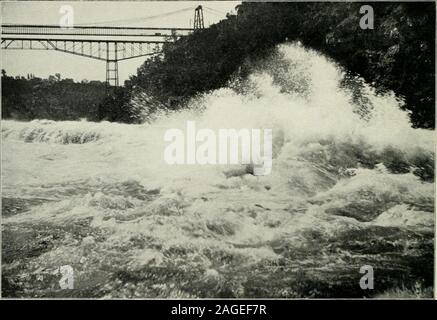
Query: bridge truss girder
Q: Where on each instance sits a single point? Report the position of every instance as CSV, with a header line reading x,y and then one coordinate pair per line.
x,y
110,51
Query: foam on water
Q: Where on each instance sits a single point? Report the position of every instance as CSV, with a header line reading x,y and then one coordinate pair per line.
x,y
334,171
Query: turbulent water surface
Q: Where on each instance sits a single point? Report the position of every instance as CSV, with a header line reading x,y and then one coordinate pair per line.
x,y
352,184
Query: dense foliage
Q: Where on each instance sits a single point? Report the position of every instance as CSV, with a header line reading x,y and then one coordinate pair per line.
x,y
398,54
53,98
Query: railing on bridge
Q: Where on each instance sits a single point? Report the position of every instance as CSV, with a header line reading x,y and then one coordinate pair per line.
x,y
96,31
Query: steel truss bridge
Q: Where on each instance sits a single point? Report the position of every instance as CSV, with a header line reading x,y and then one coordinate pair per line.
x,y
106,43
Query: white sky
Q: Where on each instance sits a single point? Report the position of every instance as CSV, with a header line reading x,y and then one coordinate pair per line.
x,y
44,63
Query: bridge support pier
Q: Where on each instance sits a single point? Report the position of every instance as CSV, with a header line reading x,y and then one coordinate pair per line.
x,y
112,73
111,64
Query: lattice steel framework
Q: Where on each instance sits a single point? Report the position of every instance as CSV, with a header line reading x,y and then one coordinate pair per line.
x,y
198,18
110,44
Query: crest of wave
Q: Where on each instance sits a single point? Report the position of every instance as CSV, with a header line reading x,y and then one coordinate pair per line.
x,y
316,117
63,132
299,92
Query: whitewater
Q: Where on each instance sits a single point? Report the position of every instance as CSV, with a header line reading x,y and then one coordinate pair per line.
x,y
352,184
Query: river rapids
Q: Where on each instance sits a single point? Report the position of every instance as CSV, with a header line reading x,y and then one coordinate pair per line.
x,y
352,184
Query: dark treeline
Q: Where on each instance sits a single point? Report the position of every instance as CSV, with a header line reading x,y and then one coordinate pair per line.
x,y
27,98
398,54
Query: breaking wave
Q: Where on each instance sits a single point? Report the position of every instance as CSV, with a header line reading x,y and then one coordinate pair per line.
x,y
63,132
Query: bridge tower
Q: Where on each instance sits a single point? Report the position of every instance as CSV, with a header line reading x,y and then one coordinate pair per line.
x,y
198,18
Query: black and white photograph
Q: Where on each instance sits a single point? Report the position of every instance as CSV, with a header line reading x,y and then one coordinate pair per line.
x,y
218,150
